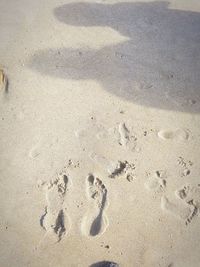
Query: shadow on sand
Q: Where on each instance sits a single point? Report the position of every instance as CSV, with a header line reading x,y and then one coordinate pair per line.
x,y
104,264
158,66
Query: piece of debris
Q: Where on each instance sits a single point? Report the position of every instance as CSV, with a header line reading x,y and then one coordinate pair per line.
x,y
3,81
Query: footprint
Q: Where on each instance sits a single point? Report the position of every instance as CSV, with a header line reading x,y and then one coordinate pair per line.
x,y
183,192
180,209
121,135
156,182
95,222
126,139
122,168
182,163
191,196
179,134
124,134
55,220
115,168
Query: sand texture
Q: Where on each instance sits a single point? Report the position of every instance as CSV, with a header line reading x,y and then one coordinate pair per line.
x,y
99,133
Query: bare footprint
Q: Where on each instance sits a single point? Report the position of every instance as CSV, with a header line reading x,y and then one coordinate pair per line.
x,y
124,134
156,182
179,209
185,170
191,196
126,138
121,134
55,220
95,222
115,168
183,192
178,134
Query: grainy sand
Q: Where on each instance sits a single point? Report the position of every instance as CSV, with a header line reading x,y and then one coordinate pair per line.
x,y
99,133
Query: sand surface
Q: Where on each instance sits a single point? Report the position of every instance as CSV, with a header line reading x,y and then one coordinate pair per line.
x,y
99,133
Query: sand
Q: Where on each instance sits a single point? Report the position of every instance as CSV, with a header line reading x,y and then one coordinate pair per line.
x,y
99,133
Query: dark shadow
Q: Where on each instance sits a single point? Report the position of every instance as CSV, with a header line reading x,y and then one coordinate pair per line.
x,y
104,264
158,66
96,224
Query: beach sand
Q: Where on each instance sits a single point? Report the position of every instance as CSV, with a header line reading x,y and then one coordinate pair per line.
x,y
99,133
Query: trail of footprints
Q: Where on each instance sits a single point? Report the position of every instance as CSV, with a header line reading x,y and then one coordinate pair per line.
x,y
120,134
55,219
125,137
